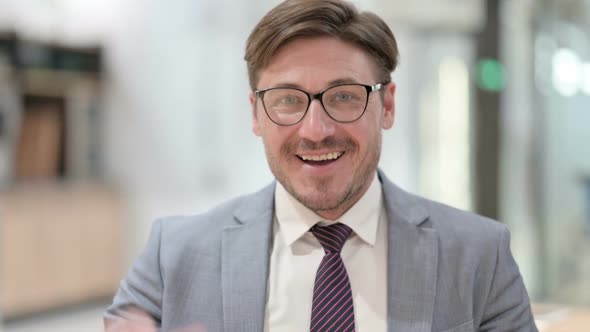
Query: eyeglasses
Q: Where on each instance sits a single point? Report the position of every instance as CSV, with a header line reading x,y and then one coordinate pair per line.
x,y
343,103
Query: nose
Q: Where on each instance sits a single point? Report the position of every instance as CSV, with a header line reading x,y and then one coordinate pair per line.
x,y
316,125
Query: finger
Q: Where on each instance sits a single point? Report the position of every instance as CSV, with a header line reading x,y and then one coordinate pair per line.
x,y
122,325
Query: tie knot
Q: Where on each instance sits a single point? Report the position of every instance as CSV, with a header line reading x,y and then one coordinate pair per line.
x,y
332,237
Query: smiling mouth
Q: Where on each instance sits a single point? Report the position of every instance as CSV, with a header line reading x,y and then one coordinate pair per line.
x,y
323,159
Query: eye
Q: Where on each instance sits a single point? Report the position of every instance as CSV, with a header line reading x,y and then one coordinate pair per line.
x,y
289,100
343,97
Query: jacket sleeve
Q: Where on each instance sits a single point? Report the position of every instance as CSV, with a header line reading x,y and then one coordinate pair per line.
x,y
143,287
508,307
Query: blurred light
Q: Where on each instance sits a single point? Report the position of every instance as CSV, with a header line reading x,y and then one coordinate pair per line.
x,y
566,72
585,84
490,75
454,142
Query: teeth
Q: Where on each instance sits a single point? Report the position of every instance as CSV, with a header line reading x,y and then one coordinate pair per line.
x,y
327,156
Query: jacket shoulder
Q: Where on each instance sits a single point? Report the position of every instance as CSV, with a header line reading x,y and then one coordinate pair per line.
x,y
467,241
203,231
452,221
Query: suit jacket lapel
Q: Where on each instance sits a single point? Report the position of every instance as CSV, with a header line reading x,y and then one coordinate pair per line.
x,y
246,250
413,262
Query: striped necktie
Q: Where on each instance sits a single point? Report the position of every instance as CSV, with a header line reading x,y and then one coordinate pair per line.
x,y
332,308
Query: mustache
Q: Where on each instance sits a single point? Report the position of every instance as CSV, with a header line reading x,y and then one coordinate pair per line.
x,y
328,143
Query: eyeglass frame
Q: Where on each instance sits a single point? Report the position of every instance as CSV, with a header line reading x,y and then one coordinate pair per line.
x,y
318,96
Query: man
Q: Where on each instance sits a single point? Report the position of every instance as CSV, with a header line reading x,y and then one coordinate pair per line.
x,y
333,245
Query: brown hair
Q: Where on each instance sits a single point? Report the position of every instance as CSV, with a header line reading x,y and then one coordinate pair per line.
x,y
315,18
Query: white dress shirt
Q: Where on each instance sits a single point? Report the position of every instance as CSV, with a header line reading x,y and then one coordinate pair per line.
x,y
296,255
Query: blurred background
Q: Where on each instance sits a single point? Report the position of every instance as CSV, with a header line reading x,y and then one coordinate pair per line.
x,y
116,112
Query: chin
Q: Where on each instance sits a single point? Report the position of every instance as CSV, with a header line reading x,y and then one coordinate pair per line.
x,y
318,200
318,206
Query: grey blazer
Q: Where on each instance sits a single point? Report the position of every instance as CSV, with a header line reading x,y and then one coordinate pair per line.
x,y
448,270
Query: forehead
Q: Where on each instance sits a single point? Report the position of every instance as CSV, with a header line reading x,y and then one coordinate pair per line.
x,y
312,63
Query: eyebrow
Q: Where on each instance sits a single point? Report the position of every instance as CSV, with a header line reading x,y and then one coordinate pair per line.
x,y
345,80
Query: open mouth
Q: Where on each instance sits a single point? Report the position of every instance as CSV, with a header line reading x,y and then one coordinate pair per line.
x,y
320,160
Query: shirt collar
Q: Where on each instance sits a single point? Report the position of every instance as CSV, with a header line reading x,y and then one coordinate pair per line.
x,y
295,219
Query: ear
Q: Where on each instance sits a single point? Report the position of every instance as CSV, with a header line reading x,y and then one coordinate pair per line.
x,y
388,106
255,124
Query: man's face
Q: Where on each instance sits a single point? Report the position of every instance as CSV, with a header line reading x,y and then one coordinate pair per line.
x,y
328,187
